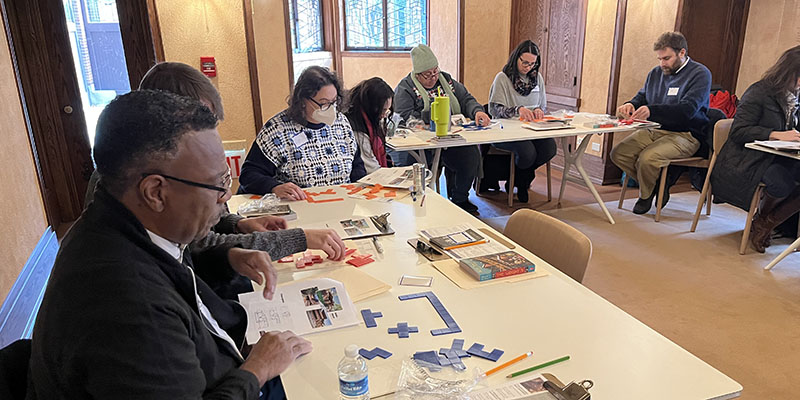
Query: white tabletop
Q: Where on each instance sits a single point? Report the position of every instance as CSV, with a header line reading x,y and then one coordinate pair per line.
x,y
553,316
506,130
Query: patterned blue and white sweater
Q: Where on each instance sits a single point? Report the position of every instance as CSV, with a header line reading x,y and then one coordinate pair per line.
x,y
307,155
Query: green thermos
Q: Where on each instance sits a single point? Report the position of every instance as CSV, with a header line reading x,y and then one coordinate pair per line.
x,y
440,114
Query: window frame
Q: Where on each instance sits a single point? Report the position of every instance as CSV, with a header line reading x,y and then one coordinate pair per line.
x,y
385,49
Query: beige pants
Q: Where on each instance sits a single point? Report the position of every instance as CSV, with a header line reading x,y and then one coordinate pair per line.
x,y
646,151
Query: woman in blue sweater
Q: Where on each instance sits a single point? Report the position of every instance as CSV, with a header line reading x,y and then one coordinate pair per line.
x,y
308,144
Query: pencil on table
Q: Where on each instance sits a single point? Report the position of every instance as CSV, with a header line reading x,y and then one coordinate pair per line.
x,y
501,366
535,367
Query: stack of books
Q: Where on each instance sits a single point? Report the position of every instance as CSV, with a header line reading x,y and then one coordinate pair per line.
x,y
449,138
507,263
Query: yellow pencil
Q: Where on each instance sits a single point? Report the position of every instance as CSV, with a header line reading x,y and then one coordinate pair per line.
x,y
499,367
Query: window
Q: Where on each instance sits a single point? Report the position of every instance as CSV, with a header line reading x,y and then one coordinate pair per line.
x,y
387,25
306,25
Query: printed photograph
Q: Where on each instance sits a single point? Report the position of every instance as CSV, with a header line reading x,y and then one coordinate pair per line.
x,y
329,299
318,318
534,385
309,296
353,231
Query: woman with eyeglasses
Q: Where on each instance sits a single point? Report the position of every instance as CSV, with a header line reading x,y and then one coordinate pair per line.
x,y
309,144
369,113
413,97
518,92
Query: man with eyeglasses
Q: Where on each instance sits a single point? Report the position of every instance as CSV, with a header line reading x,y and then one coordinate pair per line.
x,y
413,97
125,314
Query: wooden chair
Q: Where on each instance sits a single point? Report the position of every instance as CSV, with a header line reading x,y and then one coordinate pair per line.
x,y
511,168
561,245
721,131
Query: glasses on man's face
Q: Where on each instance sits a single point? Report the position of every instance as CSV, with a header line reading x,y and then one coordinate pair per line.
x,y
429,74
526,64
323,106
227,182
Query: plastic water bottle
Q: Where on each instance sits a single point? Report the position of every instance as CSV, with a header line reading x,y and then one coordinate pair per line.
x,y
353,382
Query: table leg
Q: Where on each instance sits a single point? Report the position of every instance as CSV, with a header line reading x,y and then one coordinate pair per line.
x,y
576,158
567,165
794,246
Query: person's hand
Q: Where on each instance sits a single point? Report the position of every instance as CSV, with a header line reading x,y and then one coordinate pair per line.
x,y
261,224
326,240
273,353
289,191
789,136
526,114
642,113
538,113
255,265
482,119
626,110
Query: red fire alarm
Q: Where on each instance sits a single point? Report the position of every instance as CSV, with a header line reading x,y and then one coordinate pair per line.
x,y
209,66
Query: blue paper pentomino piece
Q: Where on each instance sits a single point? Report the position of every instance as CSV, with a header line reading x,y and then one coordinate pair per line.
x,y
369,317
477,350
402,330
377,351
452,326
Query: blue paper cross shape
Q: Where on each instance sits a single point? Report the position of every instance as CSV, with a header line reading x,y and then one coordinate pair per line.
x,y
402,330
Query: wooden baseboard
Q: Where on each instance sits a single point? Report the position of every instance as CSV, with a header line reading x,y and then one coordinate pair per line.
x,y
18,312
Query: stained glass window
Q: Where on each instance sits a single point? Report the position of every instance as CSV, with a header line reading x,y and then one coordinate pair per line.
x,y
385,24
306,25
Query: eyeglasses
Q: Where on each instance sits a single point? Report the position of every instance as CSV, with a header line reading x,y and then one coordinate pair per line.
x,y
429,74
322,107
527,64
227,182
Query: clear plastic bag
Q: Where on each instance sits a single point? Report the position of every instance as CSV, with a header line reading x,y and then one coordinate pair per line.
x,y
416,383
267,204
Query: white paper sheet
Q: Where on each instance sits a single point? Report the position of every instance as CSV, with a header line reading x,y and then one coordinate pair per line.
x,y
477,250
303,307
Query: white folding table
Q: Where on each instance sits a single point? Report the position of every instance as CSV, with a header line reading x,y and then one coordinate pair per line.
x,y
511,130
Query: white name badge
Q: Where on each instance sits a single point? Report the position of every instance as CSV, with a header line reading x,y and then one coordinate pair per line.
x,y
673,91
300,139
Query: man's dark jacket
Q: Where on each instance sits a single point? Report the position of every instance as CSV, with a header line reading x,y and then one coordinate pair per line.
x,y
738,170
119,319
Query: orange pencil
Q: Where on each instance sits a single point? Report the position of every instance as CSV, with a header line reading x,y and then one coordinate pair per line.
x,y
499,367
458,246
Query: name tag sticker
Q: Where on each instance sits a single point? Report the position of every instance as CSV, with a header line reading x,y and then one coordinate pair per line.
x,y
673,91
300,139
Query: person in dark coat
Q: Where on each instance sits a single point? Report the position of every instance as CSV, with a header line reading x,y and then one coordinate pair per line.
x,y
126,314
768,111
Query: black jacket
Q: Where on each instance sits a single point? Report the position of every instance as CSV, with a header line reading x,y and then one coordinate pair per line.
x,y
119,319
738,170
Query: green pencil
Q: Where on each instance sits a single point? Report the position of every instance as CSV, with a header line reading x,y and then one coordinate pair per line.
x,y
535,367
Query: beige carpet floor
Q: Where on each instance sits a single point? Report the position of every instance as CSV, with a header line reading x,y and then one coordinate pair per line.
x,y
695,288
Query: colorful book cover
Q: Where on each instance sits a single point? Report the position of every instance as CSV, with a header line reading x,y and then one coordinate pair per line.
x,y
497,265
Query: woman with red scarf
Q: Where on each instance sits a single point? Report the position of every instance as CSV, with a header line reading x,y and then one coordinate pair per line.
x,y
369,113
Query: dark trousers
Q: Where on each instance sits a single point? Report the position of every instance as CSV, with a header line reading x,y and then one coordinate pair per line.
x,y
272,390
461,166
530,153
781,177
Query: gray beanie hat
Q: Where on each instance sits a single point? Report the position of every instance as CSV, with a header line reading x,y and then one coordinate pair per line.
x,y
423,59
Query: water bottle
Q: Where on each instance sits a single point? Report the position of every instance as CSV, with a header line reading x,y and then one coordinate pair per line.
x,y
353,382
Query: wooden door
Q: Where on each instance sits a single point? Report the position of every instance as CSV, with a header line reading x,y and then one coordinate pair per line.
x,y
714,30
557,26
529,20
